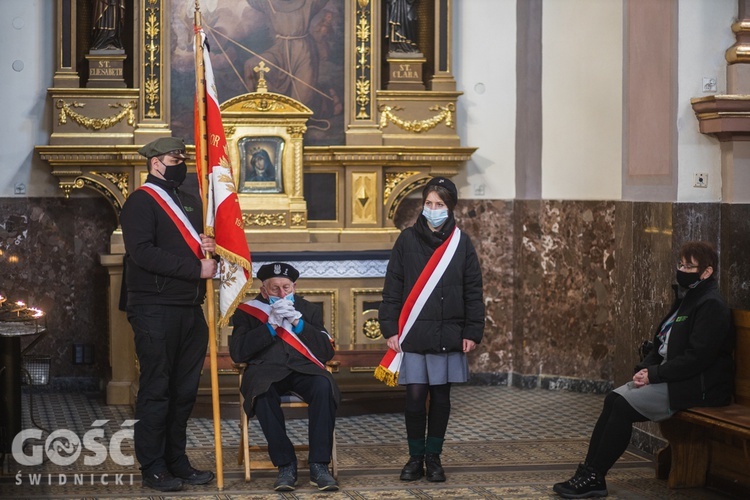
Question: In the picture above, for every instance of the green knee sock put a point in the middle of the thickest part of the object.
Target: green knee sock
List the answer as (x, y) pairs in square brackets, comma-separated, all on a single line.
[(416, 447), (434, 445)]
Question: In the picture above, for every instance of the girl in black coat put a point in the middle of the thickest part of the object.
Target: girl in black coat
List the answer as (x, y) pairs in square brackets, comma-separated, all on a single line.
[(689, 365), (449, 324)]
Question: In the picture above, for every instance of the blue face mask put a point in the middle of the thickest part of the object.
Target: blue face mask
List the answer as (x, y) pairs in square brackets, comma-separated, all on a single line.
[(290, 297), (436, 218)]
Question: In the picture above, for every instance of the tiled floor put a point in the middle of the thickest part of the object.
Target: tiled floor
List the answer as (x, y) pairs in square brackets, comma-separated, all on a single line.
[(501, 443)]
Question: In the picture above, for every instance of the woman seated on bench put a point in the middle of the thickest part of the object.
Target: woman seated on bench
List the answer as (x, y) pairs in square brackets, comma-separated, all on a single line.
[(689, 365)]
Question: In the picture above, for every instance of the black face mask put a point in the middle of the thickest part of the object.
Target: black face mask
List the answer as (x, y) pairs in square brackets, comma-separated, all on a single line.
[(688, 280), (175, 173)]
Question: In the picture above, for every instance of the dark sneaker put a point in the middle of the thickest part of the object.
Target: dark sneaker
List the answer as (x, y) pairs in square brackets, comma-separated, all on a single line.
[(286, 480), (162, 481), (587, 485), (320, 477), (414, 469), (194, 476), (435, 472), (580, 471)]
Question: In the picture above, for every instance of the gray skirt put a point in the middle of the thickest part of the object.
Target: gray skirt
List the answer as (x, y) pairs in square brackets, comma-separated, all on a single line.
[(651, 401), (433, 369)]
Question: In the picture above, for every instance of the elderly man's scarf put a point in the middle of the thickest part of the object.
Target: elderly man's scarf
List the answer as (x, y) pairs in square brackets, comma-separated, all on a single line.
[(387, 371), (260, 311)]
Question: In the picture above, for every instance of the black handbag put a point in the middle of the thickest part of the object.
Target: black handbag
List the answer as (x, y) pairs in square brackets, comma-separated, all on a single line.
[(645, 348)]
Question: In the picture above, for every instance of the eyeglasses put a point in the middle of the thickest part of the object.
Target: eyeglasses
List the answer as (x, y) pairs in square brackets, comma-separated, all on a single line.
[(686, 267)]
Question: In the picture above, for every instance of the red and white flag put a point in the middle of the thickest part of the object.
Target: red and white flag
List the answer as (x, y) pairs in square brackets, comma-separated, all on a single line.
[(223, 213)]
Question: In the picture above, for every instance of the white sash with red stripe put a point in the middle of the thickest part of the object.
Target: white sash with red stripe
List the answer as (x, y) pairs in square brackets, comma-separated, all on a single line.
[(179, 218), (387, 371), (260, 311)]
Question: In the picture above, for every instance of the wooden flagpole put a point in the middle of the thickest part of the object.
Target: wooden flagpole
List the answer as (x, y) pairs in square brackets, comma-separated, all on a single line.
[(200, 84)]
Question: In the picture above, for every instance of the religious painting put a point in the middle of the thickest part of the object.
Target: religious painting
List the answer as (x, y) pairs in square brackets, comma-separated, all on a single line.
[(260, 164), (300, 41)]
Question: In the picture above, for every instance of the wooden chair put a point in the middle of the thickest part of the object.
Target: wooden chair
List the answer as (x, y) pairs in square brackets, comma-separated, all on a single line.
[(260, 453)]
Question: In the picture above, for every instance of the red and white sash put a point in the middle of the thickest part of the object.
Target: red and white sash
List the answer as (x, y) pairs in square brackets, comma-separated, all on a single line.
[(260, 311), (177, 215), (387, 371)]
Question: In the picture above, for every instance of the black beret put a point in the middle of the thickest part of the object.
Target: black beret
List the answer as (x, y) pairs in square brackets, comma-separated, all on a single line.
[(165, 145), (277, 270), (445, 183)]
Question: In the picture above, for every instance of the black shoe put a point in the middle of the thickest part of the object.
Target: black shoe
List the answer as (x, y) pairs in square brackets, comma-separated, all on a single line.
[(287, 478), (320, 477), (580, 471), (194, 476), (414, 468), (589, 484), (435, 472), (162, 481)]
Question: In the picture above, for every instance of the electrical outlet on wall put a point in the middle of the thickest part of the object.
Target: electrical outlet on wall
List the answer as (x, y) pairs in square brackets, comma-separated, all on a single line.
[(701, 181)]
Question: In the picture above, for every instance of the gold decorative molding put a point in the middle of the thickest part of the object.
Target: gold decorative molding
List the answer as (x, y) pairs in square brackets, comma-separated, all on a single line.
[(118, 179), (740, 51), (365, 321), (417, 126), (297, 219), (152, 60), (363, 61), (264, 220), (404, 192), (363, 198), (371, 329), (393, 179), (113, 187), (95, 123)]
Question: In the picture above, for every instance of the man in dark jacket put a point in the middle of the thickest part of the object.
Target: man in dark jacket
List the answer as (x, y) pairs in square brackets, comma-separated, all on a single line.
[(282, 339), (165, 273)]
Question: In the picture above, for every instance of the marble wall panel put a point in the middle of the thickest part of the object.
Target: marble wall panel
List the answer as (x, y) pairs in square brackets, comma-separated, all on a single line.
[(49, 257), (734, 265), (564, 268)]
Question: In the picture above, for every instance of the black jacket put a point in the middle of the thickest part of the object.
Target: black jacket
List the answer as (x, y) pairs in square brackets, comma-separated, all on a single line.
[(455, 309), (270, 359), (699, 370), (160, 267)]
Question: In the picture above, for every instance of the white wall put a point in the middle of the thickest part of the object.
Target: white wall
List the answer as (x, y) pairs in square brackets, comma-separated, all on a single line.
[(705, 34), (484, 64), (582, 47), (26, 70)]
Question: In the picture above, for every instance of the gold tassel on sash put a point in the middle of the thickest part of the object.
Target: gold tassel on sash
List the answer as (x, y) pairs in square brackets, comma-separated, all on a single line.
[(386, 376)]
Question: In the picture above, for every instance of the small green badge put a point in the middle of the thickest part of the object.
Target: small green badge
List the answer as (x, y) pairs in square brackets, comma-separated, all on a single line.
[(680, 319)]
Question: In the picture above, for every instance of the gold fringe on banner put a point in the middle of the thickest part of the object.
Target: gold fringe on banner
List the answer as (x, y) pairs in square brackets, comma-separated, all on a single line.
[(386, 376)]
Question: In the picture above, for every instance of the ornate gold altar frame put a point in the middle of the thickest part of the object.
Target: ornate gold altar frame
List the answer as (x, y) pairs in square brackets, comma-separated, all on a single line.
[(274, 125), (395, 140)]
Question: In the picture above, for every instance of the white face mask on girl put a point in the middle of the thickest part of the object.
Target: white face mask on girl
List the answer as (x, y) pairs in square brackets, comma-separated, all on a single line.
[(437, 217)]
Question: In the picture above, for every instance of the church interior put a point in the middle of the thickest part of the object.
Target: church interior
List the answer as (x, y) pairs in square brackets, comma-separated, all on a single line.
[(588, 139)]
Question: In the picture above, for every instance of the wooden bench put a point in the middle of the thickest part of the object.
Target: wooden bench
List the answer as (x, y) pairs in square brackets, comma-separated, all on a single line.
[(711, 446)]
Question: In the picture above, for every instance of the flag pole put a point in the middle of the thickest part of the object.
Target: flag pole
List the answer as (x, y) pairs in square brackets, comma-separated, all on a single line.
[(202, 160)]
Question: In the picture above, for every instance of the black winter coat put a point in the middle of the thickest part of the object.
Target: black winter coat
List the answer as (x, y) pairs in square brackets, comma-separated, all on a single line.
[(160, 267), (699, 370), (270, 359), (455, 309)]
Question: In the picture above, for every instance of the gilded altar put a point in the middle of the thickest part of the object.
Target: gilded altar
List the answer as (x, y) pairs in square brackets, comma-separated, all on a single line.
[(350, 123)]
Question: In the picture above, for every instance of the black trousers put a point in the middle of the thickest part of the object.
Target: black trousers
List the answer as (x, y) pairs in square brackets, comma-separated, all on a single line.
[(612, 432), (317, 392), (171, 343)]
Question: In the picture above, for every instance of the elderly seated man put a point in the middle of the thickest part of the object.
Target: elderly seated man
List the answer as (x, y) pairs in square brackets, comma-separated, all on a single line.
[(282, 339)]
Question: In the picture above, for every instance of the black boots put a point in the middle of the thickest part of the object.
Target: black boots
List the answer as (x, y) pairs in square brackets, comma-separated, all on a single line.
[(586, 483), (414, 468), (435, 472)]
